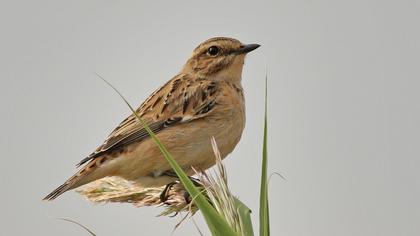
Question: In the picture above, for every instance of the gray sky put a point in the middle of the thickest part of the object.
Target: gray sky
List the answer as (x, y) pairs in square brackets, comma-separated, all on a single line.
[(344, 108)]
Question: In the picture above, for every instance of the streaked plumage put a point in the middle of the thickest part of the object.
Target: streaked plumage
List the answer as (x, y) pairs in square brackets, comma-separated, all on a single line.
[(205, 99)]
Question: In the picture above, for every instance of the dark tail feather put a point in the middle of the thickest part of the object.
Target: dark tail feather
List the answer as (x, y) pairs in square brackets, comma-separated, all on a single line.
[(57, 192), (80, 178), (68, 185)]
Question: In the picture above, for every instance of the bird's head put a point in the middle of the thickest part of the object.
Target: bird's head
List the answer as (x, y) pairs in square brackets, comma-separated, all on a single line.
[(219, 59)]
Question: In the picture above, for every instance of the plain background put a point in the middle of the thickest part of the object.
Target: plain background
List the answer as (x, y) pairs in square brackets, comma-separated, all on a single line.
[(343, 108)]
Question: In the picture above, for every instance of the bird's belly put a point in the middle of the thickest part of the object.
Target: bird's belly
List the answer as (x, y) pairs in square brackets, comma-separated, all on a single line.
[(189, 144)]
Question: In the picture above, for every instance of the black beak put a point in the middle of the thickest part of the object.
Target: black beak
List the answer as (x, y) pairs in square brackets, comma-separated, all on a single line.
[(247, 48)]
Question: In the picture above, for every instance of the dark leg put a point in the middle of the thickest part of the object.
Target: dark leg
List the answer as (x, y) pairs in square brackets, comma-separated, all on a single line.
[(164, 194)]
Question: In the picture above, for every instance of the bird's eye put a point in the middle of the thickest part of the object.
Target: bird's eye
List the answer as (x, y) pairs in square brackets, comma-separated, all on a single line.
[(213, 51)]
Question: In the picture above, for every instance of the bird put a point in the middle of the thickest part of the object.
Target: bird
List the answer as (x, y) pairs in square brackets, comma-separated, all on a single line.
[(204, 100)]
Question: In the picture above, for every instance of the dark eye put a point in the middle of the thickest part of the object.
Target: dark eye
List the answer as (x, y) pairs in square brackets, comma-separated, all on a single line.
[(213, 51)]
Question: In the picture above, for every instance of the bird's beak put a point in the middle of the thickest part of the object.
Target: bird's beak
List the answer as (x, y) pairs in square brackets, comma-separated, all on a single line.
[(247, 48)]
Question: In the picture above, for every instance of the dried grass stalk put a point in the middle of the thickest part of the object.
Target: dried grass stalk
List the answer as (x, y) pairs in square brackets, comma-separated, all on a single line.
[(116, 189)]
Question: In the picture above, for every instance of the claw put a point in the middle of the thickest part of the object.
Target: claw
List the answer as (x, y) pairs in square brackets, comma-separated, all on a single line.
[(187, 197), (164, 195)]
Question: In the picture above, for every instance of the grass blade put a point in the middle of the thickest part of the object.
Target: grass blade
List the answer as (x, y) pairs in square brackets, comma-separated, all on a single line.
[(245, 218), (77, 223), (216, 223), (264, 212)]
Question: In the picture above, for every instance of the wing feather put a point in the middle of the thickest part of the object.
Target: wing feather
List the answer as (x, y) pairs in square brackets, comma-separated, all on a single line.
[(182, 99)]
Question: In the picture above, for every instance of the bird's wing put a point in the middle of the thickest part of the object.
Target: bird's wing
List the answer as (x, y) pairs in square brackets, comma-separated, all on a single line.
[(182, 99)]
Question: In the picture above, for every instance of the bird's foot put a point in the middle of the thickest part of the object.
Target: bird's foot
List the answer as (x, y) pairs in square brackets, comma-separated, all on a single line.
[(165, 192)]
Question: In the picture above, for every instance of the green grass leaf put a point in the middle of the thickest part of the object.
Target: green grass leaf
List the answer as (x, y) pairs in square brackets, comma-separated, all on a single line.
[(264, 211), (245, 218), (216, 223)]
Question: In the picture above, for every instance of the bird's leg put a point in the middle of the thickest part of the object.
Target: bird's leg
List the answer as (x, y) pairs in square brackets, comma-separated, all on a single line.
[(164, 195), (165, 192)]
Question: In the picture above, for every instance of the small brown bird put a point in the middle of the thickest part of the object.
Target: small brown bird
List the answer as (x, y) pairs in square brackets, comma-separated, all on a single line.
[(205, 99)]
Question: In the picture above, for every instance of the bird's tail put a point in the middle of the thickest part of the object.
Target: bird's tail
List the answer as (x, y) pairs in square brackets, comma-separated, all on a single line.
[(83, 176), (71, 183)]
